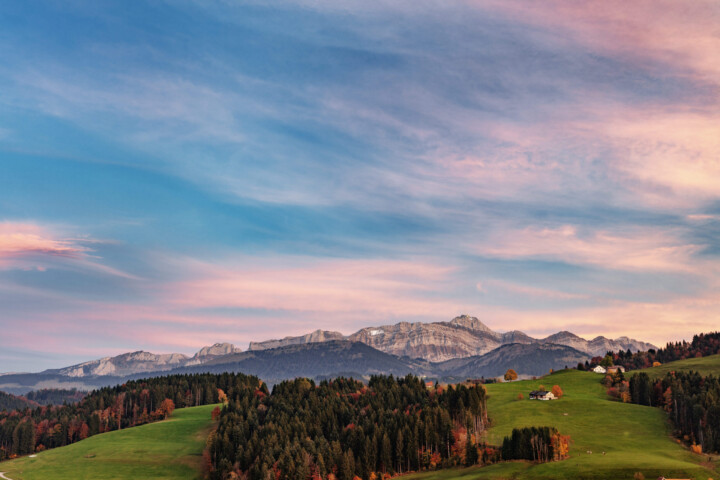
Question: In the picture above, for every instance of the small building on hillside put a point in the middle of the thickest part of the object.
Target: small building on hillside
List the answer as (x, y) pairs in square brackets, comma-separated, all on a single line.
[(615, 369), (542, 395), (599, 369)]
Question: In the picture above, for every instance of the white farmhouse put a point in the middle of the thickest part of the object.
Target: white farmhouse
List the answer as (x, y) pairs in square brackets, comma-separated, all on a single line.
[(599, 369), (542, 395)]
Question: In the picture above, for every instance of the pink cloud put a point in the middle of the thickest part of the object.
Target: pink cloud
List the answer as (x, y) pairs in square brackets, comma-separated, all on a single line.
[(527, 291), (353, 287), (642, 249), (18, 239), (675, 33)]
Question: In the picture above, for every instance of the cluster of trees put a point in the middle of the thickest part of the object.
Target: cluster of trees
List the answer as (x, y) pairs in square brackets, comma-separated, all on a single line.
[(618, 386), (701, 345), (538, 444), (55, 396), (136, 402), (692, 402), (344, 429)]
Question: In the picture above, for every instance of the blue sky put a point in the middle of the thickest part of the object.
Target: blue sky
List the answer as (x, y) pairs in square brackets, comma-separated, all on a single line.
[(174, 174)]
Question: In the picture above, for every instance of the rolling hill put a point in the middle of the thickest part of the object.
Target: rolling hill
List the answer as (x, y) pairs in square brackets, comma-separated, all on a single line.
[(167, 450), (709, 365), (634, 438)]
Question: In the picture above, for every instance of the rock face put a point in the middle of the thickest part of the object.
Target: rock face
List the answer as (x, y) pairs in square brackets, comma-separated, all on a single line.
[(140, 362), (314, 337), (216, 350), (461, 337), (126, 364)]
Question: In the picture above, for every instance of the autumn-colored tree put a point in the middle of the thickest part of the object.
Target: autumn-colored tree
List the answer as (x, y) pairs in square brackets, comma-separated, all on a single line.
[(656, 364), (557, 391), (667, 398), (696, 448), (541, 388), (511, 375), (215, 414), (520, 396), (561, 446), (84, 431), (222, 397), (166, 408)]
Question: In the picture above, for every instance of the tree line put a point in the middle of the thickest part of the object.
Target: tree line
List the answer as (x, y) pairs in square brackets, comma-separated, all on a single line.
[(538, 444), (55, 396), (692, 402), (9, 402), (702, 345), (344, 429), (135, 402)]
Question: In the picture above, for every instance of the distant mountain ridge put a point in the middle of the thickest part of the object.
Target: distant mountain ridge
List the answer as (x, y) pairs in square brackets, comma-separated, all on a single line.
[(328, 359), (462, 347), (141, 361), (463, 336)]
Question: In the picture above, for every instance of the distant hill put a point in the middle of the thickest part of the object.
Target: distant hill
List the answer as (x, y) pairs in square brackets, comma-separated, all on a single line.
[(14, 402)]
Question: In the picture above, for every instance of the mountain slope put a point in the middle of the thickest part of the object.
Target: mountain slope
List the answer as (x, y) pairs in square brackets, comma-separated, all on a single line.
[(313, 360), (527, 359)]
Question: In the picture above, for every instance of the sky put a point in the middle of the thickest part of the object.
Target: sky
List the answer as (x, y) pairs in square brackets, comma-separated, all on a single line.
[(175, 174)]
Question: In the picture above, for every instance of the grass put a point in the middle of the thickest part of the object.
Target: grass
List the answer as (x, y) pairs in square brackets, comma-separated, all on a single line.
[(634, 438), (709, 365), (165, 450)]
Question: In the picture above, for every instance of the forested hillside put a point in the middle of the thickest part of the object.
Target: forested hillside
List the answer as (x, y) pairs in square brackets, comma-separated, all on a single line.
[(346, 429), (13, 402), (692, 402), (55, 396), (133, 403)]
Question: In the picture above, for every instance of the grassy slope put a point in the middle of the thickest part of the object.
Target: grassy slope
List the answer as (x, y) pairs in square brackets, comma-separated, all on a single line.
[(635, 438), (166, 450), (706, 365)]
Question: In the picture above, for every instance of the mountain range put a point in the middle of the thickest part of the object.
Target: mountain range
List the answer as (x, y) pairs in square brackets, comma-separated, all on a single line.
[(463, 336), (461, 348)]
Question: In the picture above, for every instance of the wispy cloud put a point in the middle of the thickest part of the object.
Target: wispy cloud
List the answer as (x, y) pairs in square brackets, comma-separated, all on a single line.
[(26, 239)]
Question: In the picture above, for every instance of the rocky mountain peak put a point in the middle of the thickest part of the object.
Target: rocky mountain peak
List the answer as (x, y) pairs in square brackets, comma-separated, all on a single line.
[(216, 350), (471, 323)]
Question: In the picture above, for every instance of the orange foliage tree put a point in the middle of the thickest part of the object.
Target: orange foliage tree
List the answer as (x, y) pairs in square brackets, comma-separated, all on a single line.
[(222, 397), (166, 408), (511, 375), (557, 391), (561, 446), (520, 396)]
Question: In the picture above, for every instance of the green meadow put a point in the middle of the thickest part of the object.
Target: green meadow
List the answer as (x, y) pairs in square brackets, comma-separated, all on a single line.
[(709, 365), (623, 438), (167, 450)]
